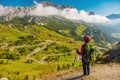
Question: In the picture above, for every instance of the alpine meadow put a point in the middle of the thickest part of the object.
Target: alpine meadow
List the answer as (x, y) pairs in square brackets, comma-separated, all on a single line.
[(39, 42)]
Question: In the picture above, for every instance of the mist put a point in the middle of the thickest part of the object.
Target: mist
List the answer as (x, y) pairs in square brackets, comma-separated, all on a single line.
[(68, 13), (5, 10)]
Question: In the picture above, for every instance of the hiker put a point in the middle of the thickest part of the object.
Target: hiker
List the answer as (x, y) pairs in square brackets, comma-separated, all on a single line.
[(86, 49)]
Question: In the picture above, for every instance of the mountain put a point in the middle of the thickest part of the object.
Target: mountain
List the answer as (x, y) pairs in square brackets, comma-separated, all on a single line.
[(50, 9), (113, 16), (114, 21), (113, 55), (61, 7), (27, 11), (29, 41), (21, 16), (77, 29), (62, 26)]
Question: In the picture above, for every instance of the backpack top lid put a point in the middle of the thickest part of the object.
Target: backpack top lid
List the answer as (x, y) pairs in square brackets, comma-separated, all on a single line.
[(87, 38)]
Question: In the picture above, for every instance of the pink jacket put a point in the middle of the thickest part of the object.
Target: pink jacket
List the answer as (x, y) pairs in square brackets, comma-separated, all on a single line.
[(82, 51)]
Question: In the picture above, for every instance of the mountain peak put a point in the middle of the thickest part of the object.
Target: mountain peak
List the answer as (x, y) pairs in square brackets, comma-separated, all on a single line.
[(91, 13), (113, 16), (61, 7), (46, 4)]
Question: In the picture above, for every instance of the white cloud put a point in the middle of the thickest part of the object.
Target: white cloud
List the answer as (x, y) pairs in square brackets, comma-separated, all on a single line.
[(115, 24), (83, 15), (5, 10), (69, 13), (43, 11)]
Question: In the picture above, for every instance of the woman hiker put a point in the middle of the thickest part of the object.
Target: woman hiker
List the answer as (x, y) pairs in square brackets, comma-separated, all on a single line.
[(86, 50)]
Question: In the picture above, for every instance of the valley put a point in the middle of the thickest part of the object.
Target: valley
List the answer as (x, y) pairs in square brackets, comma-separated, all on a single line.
[(31, 51), (42, 45)]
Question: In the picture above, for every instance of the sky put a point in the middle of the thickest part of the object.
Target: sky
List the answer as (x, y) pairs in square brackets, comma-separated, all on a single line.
[(101, 7)]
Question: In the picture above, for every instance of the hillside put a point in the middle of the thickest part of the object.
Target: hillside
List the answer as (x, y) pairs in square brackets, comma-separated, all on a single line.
[(63, 26), (113, 55), (107, 70), (40, 42), (25, 47), (58, 18)]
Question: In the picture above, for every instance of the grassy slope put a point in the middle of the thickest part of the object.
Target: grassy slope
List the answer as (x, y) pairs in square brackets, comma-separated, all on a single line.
[(41, 33), (51, 32), (76, 30), (9, 34), (19, 68)]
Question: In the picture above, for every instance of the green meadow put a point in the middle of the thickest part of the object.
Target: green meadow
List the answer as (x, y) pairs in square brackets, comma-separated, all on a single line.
[(17, 43)]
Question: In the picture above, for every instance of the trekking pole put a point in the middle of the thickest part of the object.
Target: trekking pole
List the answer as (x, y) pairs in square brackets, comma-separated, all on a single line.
[(75, 58)]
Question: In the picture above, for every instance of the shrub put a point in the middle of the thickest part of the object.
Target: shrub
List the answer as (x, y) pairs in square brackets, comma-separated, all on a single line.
[(1, 61), (58, 67), (68, 66)]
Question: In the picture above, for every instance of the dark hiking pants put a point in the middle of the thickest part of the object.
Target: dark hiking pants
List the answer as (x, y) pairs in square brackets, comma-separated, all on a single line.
[(86, 68)]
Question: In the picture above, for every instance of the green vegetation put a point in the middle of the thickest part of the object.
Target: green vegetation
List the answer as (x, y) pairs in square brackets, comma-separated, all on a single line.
[(17, 43), (29, 51)]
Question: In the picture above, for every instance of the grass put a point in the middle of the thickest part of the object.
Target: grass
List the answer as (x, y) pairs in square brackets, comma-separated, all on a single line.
[(80, 29), (18, 69), (9, 34)]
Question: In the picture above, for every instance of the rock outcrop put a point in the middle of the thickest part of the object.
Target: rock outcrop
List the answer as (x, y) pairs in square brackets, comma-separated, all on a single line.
[(113, 55)]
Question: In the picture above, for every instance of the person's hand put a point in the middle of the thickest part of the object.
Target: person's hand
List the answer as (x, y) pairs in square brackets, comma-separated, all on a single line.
[(77, 51)]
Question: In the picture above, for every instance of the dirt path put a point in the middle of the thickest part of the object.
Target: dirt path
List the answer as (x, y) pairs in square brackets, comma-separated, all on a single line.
[(3, 45), (15, 47), (98, 72), (37, 50), (42, 61)]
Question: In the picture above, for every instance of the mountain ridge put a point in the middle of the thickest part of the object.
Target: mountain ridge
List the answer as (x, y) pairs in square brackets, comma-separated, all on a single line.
[(25, 11), (113, 16)]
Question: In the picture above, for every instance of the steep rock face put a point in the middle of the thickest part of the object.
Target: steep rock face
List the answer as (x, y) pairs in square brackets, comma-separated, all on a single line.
[(61, 7), (113, 55)]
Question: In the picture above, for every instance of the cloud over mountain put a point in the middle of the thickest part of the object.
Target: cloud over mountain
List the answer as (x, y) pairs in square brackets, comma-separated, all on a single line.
[(5, 10), (69, 13), (40, 10)]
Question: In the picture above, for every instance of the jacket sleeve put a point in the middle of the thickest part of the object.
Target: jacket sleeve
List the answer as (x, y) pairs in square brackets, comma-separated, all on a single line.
[(80, 52)]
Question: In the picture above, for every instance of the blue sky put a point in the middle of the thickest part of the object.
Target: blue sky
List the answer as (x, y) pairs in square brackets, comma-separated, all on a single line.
[(103, 7)]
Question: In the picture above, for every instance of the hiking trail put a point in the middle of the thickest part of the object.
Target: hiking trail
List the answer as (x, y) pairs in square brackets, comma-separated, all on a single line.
[(98, 72)]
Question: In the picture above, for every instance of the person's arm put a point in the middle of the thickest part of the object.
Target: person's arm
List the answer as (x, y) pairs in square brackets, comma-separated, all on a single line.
[(82, 51), (78, 52)]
